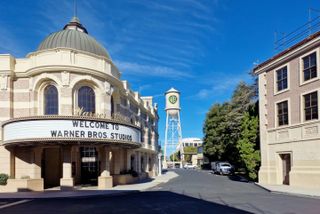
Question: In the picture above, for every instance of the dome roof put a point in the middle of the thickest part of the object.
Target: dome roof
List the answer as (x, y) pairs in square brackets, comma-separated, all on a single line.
[(74, 36)]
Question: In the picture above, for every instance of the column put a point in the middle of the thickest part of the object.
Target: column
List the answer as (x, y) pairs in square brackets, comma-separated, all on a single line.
[(37, 163), (105, 180), (67, 181), (147, 162), (159, 164), (138, 162), (37, 183), (117, 161), (129, 160), (148, 165)]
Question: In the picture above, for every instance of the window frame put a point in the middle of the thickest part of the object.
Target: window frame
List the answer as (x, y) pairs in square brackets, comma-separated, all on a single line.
[(304, 106), (301, 67), (275, 79), (283, 114), (44, 109), (276, 119), (95, 96), (309, 69)]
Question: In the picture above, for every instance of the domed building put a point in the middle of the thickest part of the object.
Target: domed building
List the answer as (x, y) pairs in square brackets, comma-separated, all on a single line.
[(67, 119)]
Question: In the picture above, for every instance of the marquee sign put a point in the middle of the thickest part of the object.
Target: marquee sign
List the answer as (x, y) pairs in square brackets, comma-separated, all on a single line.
[(56, 129)]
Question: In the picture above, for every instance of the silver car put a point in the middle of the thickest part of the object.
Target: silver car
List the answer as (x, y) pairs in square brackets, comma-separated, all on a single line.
[(224, 168)]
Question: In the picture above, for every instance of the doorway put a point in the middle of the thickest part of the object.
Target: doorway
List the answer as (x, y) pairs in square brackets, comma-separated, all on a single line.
[(286, 168), (51, 167), (89, 166)]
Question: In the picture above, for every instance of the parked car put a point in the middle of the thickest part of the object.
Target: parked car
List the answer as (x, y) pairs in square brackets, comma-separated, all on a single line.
[(189, 166), (224, 168)]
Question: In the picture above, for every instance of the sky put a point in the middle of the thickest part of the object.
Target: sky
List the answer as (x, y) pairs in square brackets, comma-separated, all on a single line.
[(203, 48)]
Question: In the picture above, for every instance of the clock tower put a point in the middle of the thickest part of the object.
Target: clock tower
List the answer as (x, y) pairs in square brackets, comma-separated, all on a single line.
[(173, 133)]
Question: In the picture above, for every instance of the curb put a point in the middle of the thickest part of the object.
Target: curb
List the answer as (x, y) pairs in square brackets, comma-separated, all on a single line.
[(287, 193), (98, 193), (258, 185)]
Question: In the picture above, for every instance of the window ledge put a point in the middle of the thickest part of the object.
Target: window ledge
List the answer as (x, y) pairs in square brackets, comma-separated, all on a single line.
[(309, 81), (282, 91)]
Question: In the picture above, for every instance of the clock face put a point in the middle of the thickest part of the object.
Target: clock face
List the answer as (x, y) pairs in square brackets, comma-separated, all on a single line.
[(173, 99)]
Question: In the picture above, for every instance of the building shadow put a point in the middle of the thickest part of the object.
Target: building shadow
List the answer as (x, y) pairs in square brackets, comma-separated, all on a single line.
[(132, 202)]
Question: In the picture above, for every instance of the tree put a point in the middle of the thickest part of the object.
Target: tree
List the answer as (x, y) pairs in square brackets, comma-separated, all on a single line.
[(190, 150), (188, 158), (175, 156), (216, 131), (231, 130), (248, 144)]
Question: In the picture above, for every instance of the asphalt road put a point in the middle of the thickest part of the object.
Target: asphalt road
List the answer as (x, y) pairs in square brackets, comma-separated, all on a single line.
[(193, 192)]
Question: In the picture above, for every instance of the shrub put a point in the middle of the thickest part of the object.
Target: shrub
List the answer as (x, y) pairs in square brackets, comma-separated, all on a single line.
[(3, 179)]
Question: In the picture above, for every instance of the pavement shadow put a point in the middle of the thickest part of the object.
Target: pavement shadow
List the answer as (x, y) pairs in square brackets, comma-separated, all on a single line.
[(142, 202), (238, 178), (164, 171)]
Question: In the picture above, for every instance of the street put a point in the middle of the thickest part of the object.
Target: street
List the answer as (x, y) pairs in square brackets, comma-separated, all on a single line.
[(194, 191)]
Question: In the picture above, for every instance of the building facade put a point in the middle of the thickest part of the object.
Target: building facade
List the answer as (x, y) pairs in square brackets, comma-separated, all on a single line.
[(188, 148), (289, 88), (68, 119)]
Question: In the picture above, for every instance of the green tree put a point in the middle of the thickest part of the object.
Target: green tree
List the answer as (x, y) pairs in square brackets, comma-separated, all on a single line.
[(175, 156), (225, 129), (190, 150), (188, 158), (248, 144), (216, 132)]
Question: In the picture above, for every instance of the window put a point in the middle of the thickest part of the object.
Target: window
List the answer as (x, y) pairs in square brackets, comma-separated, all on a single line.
[(310, 66), (282, 78), (311, 106), (51, 105), (123, 101), (87, 99), (283, 117)]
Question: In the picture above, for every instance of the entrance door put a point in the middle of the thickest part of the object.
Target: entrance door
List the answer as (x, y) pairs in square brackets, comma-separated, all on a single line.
[(286, 167), (51, 167), (89, 165)]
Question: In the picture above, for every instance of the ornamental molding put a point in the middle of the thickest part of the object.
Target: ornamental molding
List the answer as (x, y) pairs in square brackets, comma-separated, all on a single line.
[(4, 82), (65, 77)]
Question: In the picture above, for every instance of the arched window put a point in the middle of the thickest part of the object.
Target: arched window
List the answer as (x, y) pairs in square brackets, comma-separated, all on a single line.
[(51, 105), (87, 99)]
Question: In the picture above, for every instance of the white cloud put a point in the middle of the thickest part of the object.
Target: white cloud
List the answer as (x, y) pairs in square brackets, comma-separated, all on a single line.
[(219, 86), (132, 68)]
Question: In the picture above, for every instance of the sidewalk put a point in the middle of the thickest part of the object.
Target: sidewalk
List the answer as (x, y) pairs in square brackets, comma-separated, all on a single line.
[(92, 191), (285, 189)]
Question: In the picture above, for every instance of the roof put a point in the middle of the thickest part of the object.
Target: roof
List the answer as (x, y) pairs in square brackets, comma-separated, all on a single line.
[(191, 140), (172, 90), (306, 40), (74, 36)]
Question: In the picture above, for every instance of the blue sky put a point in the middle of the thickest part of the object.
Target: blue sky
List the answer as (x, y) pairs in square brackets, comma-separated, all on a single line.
[(201, 47)]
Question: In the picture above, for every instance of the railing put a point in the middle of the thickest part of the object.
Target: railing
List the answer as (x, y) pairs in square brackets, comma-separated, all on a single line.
[(311, 27)]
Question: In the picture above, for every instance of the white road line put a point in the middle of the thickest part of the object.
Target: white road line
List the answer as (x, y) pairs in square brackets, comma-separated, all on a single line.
[(14, 203)]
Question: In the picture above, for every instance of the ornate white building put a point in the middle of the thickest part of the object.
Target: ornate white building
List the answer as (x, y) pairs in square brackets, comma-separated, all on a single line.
[(68, 119)]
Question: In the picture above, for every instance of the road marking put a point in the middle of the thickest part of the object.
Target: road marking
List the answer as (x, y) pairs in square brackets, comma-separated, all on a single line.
[(14, 203)]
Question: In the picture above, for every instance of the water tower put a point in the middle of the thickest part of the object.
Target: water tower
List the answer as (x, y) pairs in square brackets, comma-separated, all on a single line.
[(173, 133)]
